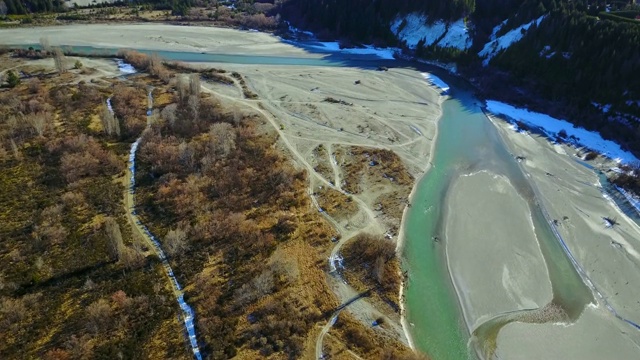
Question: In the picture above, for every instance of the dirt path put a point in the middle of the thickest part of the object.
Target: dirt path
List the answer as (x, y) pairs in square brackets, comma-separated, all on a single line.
[(334, 166), (362, 309)]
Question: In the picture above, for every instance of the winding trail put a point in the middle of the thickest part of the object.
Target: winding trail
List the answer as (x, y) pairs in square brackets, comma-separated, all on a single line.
[(144, 233)]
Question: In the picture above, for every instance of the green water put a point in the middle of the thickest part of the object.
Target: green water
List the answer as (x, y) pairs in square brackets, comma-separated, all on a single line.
[(438, 328), (366, 61), (468, 142)]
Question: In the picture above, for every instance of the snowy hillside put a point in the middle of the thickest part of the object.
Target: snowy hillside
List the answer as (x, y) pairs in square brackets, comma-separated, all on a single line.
[(498, 44), (414, 27), (457, 36)]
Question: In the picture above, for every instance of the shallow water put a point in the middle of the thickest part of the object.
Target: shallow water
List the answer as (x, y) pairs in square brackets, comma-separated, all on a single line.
[(468, 142)]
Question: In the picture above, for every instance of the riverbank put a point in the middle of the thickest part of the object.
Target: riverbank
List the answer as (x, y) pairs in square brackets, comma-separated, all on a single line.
[(156, 37), (609, 257)]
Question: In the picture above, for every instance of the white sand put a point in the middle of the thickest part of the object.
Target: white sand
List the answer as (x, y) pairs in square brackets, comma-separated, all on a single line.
[(594, 336), (571, 196), (493, 254), (156, 37)]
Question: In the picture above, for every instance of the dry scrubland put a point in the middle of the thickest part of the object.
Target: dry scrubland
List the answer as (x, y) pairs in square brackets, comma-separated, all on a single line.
[(74, 281), (216, 184)]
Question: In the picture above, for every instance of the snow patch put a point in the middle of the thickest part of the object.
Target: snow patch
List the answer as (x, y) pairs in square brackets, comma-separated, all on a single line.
[(416, 29), (503, 42), (494, 33), (604, 108), (124, 67), (551, 126), (632, 199), (295, 31), (334, 46), (436, 81), (110, 107), (457, 36)]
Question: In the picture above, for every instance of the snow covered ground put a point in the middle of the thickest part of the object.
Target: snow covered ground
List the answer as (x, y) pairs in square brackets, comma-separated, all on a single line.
[(416, 28), (498, 44), (632, 199), (124, 67), (436, 81), (551, 126), (457, 36), (334, 46)]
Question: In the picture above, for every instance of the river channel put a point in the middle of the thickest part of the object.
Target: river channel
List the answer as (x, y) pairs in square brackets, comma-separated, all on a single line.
[(468, 142)]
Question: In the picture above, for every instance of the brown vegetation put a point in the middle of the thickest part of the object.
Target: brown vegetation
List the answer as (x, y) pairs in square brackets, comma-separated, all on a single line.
[(321, 164), (248, 94), (366, 342), (149, 63), (371, 166), (239, 206), (336, 204), (371, 262), (73, 283)]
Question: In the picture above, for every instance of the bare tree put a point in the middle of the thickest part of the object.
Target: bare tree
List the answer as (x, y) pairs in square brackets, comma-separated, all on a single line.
[(194, 106), (80, 347), (379, 269), (11, 311), (132, 258), (99, 316), (109, 122), (40, 121), (44, 43), (169, 114), (16, 151), (60, 60), (156, 68), (260, 286), (223, 139), (183, 89), (3, 8), (284, 267), (187, 155), (116, 245), (194, 85), (175, 242)]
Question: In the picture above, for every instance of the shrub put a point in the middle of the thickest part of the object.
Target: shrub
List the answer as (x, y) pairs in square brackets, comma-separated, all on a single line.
[(12, 79), (591, 155)]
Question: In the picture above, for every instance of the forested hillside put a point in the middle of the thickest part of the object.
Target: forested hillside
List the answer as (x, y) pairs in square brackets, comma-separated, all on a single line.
[(29, 6), (579, 58), (365, 20)]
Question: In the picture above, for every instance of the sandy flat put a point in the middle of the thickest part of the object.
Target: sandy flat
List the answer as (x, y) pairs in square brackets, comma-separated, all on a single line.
[(492, 250), (609, 256), (594, 336), (156, 37)]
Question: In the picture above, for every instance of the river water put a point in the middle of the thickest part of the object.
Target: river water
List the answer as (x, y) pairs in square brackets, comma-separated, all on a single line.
[(468, 142)]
